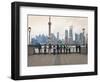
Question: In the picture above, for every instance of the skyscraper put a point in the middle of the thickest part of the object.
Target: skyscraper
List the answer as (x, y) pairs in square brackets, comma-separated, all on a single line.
[(58, 36), (82, 38), (53, 39), (71, 35), (66, 36), (77, 37)]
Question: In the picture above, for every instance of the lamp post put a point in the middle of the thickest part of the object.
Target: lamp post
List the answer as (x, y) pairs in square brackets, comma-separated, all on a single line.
[(83, 35), (29, 29)]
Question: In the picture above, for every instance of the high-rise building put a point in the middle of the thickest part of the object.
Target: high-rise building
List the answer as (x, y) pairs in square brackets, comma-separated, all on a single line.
[(66, 36), (41, 39), (58, 36), (77, 38), (82, 37), (53, 39), (71, 35)]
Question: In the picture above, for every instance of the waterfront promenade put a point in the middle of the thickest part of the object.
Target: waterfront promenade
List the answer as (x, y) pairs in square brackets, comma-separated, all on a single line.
[(61, 59)]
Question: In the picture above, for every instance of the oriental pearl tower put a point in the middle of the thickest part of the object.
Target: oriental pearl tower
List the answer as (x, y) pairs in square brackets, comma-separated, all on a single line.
[(49, 38)]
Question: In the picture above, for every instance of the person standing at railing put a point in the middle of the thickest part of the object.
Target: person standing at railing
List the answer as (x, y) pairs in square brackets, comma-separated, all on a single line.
[(33, 50), (39, 48), (54, 49), (69, 49), (66, 47), (45, 48), (60, 49), (49, 49), (86, 48), (79, 49), (57, 49)]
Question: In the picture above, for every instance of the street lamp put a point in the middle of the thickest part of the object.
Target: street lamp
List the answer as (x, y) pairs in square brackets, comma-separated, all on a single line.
[(83, 36), (29, 29)]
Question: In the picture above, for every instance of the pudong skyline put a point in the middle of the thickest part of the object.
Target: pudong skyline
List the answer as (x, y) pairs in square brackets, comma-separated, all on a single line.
[(43, 39), (39, 25)]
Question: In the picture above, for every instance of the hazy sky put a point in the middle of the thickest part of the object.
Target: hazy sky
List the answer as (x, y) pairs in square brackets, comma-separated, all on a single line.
[(39, 24)]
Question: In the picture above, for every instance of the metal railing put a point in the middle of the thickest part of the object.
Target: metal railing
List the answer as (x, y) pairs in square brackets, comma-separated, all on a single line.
[(61, 50)]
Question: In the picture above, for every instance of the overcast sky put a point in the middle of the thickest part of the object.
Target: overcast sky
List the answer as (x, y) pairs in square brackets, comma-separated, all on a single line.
[(39, 24)]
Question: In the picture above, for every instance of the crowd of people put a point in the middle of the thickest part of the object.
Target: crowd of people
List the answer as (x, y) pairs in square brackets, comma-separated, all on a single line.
[(55, 49)]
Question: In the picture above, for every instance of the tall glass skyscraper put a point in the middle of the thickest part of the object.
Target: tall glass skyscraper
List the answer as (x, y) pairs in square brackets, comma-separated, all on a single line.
[(66, 36), (71, 35), (58, 36)]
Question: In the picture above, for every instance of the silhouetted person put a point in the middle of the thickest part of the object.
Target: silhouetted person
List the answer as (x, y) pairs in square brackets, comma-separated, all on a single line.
[(54, 49), (50, 46), (45, 48), (86, 48), (64, 47), (39, 48), (33, 50), (79, 49), (57, 49), (69, 50)]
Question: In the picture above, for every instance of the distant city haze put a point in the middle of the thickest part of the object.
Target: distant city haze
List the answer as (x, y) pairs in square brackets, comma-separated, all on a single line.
[(39, 25)]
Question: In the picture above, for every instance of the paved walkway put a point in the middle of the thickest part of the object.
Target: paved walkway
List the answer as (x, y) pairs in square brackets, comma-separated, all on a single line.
[(61, 59)]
